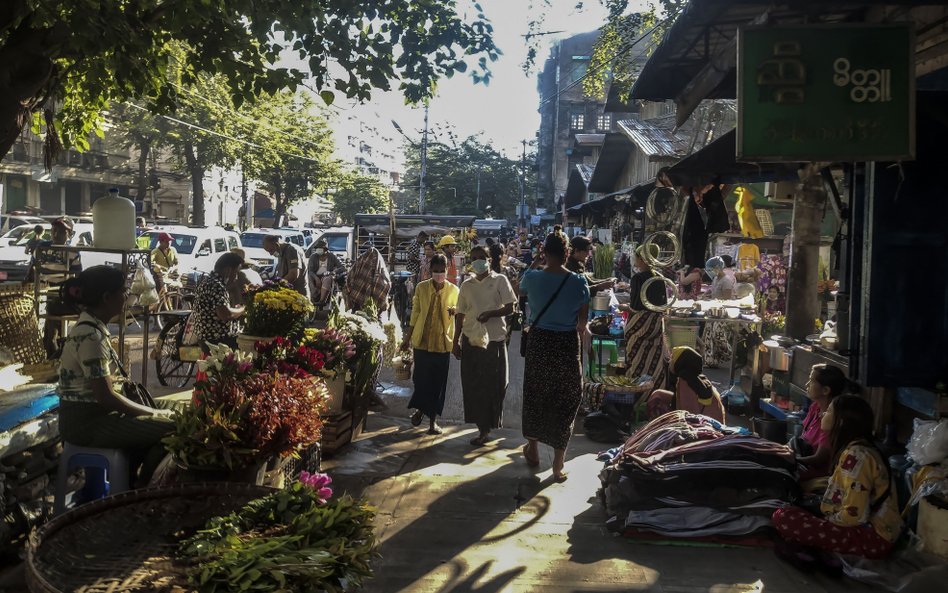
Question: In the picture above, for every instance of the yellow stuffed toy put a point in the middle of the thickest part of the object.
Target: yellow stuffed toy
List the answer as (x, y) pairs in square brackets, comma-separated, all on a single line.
[(750, 226)]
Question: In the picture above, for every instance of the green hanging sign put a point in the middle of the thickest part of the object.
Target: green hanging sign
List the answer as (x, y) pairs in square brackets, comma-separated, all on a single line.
[(838, 92)]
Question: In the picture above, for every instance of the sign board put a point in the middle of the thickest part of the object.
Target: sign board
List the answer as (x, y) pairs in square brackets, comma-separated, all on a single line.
[(841, 92), (535, 219)]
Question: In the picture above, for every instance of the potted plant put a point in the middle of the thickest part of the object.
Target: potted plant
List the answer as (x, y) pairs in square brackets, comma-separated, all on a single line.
[(273, 309), (240, 417)]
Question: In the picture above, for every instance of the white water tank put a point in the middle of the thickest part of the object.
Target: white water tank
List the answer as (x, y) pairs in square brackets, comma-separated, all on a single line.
[(113, 222)]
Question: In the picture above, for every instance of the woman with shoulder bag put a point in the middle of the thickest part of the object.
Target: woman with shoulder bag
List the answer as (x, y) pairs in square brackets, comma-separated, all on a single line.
[(553, 377), (93, 412)]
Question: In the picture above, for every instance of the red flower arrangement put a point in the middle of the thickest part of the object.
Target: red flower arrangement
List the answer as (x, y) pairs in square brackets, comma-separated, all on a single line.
[(285, 357)]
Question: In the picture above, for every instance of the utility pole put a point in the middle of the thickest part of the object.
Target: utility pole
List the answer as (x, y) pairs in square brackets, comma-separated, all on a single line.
[(477, 200), (523, 195), (424, 165), (248, 206)]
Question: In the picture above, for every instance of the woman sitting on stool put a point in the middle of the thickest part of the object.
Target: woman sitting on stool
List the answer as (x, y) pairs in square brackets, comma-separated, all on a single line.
[(693, 391), (92, 412)]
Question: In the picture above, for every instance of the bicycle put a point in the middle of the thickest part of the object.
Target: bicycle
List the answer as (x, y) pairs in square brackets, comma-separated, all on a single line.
[(175, 361)]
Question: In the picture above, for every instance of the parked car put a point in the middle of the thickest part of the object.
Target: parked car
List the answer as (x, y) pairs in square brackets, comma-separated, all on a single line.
[(9, 221), (339, 241), (16, 234), (14, 261), (252, 240), (198, 247)]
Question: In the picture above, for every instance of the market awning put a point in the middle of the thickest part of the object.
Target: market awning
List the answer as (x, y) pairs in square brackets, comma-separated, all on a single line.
[(655, 139), (576, 191), (615, 152), (697, 56), (716, 163), (632, 196)]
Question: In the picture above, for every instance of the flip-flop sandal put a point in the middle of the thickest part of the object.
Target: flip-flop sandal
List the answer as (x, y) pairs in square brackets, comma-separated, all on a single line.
[(479, 441), (416, 418), (435, 430), (560, 477), (531, 461)]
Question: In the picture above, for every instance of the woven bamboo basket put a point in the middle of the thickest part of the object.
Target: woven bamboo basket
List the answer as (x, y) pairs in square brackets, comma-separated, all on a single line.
[(20, 335), (128, 542), (403, 372)]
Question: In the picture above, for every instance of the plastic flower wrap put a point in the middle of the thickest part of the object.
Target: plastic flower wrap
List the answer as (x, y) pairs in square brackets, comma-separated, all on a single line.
[(393, 335), (275, 309), (336, 348)]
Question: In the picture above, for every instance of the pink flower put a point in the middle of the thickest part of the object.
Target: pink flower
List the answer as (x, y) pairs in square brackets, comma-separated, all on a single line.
[(318, 482)]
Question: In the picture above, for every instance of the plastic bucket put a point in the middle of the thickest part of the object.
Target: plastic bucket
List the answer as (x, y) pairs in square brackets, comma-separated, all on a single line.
[(772, 430)]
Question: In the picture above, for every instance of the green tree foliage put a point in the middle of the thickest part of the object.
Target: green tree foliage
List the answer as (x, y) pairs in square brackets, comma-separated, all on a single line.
[(75, 57), (142, 131), (452, 176), (625, 40), (293, 153), (359, 194)]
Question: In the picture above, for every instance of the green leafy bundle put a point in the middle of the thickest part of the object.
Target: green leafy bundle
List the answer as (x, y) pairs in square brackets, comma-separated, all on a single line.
[(288, 542), (604, 261)]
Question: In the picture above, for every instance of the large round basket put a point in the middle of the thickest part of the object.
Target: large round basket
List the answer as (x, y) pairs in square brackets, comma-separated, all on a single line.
[(128, 542)]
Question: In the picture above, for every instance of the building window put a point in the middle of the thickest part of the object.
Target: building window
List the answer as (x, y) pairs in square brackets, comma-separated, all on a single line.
[(577, 120), (605, 122)]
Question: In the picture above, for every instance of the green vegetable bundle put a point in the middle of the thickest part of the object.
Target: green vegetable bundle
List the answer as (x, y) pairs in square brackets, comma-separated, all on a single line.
[(289, 542), (604, 261)]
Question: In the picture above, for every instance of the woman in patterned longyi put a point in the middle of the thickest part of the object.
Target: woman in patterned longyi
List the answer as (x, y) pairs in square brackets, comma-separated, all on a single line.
[(552, 377)]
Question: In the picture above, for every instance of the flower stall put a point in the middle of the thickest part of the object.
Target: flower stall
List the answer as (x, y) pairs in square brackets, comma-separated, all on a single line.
[(274, 309)]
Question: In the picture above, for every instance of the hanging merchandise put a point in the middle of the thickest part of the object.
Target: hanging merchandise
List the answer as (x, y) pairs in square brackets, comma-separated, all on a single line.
[(750, 225), (713, 202), (671, 294), (668, 255), (662, 206)]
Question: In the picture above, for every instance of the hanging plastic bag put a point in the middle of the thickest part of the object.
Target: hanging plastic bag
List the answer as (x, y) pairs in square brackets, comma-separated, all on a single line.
[(929, 443), (478, 336), (143, 286)]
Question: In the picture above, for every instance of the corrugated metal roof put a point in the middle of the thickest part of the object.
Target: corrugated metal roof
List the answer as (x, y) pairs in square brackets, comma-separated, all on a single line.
[(586, 172), (590, 139), (655, 138)]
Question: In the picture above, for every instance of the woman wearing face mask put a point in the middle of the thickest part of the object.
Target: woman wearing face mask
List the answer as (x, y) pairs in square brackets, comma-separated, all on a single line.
[(322, 269), (480, 343), (430, 334), (645, 329), (858, 513)]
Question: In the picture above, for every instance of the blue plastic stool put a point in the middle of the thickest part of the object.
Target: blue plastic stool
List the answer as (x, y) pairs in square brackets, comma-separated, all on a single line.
[(106, 473)]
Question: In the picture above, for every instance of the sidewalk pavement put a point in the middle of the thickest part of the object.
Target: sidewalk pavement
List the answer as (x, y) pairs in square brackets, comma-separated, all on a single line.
[(454, 518)]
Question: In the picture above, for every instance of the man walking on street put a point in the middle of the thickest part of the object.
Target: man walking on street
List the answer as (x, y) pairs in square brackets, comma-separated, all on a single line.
[(291, 265), (449, 246), (414, 253)]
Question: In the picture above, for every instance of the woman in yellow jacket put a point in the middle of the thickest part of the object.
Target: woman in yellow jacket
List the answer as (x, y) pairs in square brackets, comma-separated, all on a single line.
[(431, 336)]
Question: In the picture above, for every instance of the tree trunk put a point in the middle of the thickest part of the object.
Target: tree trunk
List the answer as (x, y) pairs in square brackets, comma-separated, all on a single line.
[(279, 203), (25, 69), (803, 304), (144, 149), (197, 184)]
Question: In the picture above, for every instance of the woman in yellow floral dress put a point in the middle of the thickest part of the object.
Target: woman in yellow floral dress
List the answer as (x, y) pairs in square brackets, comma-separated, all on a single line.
[(859, 513)]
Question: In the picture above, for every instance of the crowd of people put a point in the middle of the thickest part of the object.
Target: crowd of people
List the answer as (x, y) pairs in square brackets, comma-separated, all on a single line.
[(465, 306)]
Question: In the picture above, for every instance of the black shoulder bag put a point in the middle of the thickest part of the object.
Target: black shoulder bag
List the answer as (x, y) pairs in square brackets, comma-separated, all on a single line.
[(525, 334), (132, 391)]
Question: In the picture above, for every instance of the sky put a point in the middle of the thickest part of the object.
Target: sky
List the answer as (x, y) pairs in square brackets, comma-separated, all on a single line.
[(506, 110)]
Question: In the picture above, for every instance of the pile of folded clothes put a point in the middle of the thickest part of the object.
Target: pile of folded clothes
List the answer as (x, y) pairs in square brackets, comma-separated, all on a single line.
[(687, 475)]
